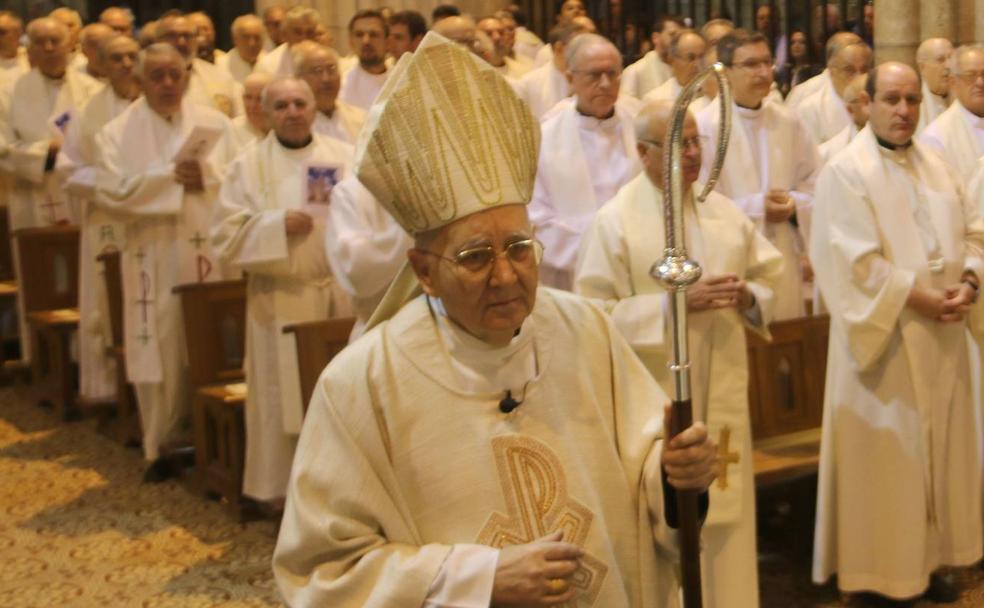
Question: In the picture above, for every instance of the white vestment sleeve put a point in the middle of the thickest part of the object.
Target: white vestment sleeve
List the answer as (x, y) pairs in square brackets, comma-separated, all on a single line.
[(752, 204), (152, 192), (763, 270), (465, 579)]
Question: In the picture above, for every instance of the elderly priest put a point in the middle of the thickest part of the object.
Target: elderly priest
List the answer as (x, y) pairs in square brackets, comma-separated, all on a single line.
[(489, 442)]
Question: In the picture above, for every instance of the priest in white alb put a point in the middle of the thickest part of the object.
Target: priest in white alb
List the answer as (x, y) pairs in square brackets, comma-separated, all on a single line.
[(543, 87), (100, 231), (933, 60), (739, 267), (164, 183), (958, 133), (802, 91), (207, 84), (897, 250), (270, 223), (13, 57), (488, 442), (824, 113), (653, 68), (300, 23), (247, 40), (252, 125), (367, 38), (858, 104), (685, 54), (318, 66), (588, 153), (769, 169)]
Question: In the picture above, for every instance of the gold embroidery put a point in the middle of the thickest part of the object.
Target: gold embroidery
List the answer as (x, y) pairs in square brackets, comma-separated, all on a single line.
[(223, 104), (535, 489), (725, 457)]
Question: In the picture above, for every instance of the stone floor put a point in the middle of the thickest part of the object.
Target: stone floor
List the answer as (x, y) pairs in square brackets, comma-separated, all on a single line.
[(79, 529)]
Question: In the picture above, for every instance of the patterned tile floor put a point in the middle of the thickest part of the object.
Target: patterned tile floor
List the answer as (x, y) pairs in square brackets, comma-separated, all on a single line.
[(78, 529)]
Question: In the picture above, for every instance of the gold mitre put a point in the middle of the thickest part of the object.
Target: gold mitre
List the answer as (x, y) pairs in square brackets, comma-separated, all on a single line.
[(446, 137)]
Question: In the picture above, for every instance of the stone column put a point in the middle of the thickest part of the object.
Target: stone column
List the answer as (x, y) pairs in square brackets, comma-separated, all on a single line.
[(896, 30), (938, 20)]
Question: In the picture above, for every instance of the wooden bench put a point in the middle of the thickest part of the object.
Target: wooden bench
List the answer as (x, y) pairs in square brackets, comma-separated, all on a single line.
[(49, 284), (8, 295), (317, 344), (126, 427), (215, 333), (785, 396)]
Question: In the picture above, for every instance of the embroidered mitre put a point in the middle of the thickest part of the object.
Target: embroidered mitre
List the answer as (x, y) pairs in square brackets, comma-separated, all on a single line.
[(447, 137)]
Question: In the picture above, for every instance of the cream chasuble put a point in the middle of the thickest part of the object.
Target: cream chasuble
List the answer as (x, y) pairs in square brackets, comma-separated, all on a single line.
[(244, 133), (215, 88), (769, 150), (824, 113), (424, 465), (670, 90), (234, 65), (166, 245), (344, 123), (583, 163), (41, 109), (930, 109), (13, 68), (644, 75), (360, 88), (898, 457), (366, 247), (513, 70), (101, 231), (801, 91), (527, 44), (835, 144), (959, 136), (542, 89), (289, 281), (277, 62), (623, 242)]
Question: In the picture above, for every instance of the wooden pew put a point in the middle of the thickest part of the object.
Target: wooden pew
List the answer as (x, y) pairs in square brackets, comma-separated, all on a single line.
[(215, 333), (48, 287), (785, 395), (8, 292), (317, 343), (126, 428)]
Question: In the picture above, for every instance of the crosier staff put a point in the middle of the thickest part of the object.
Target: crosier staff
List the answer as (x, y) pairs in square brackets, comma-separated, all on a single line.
[(677, 272)]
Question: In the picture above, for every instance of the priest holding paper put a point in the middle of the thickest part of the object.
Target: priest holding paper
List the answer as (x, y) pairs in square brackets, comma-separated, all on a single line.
[(735, 292), (488, 442), (769, 169), (588, 153), (897, 249), (161, 163), (270, 223)]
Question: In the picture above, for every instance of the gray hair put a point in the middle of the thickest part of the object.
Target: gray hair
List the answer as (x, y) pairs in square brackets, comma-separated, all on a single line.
[(927, 46), (677, 38), (267, 102), (242, 20), (41, 22), (964, 49), (303, 51), (301, 13), (156, 49), (582, 42)]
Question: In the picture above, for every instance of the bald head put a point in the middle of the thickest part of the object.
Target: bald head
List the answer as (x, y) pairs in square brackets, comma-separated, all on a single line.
[(933, 60), (300, 23), (164, 77), (273, 21), (848, 62), (48, 46), (317, 65), (894, 89), (72, 21), (120, 19), (247, 37), (118, 56), (968, 85), (838, 41), (584, 45), (651, 126), (459, 28), (253, 88), (289, 106), (856, 100), (92, 38)]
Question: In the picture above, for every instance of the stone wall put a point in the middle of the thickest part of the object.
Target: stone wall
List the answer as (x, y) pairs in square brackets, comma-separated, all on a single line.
[(900, 25)]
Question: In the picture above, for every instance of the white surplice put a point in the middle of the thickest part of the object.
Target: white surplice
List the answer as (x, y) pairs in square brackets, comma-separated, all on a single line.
[(670, 90), (542, 89), (210, 86), (402, 462), (278, 62), (769, 149), (931, 107), (244, 133), (289, 281), (166, 245), (620, 247), (824, 113), (344, 123), (644, 75), (583, 162), (234, 65), (13, 68), (958, 134), (366, 247), (835, 144), (101, 232), (808, 87), (899, 491), (527, 44), (360, 88)]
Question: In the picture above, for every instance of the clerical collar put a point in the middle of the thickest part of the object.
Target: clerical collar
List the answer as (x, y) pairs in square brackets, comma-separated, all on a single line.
[(890, 146), (54, 79), (602, 119), (290, 146)]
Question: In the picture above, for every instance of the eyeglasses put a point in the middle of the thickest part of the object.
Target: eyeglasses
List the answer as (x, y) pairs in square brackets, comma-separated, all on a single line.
[(479, 261), (693, 142), (755, 64), (970, 77), (321, 70), (594, 76)]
